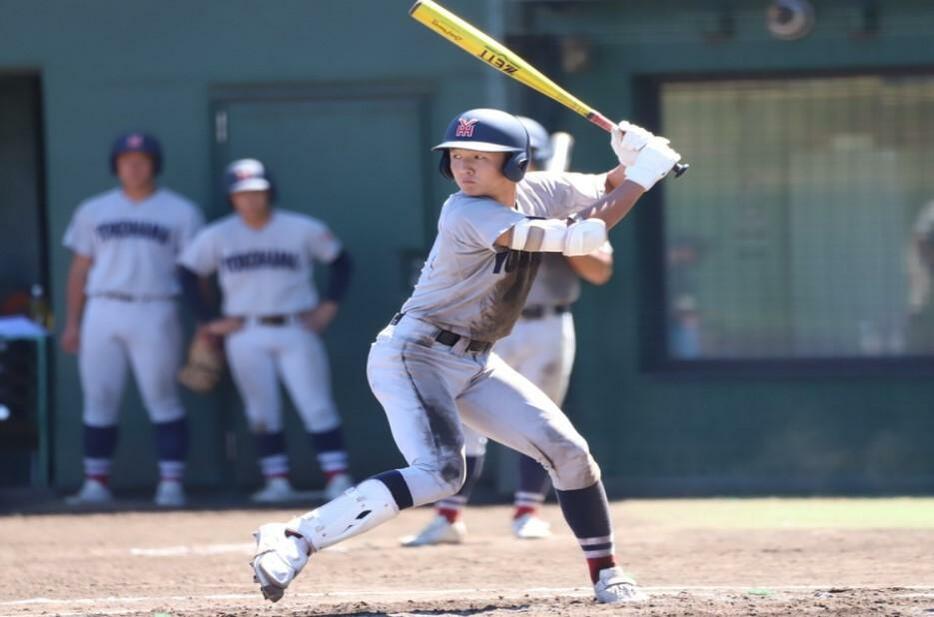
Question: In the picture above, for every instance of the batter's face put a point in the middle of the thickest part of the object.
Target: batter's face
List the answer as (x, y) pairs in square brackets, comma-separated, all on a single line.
[(252, 206), (135, 171), (478, 173)]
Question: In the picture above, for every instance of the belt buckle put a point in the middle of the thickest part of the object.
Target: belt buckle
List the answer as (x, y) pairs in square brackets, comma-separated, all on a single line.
[(273, 320)]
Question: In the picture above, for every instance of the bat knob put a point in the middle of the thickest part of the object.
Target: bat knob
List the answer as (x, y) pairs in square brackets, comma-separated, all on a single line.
[(680, 168)]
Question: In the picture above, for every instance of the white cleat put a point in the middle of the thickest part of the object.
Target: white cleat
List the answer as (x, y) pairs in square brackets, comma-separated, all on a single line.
[(337, 485), (92, 493), (530, 527), (278, 560), (438, 531), (615, 587), (170, 494), (277, 490)]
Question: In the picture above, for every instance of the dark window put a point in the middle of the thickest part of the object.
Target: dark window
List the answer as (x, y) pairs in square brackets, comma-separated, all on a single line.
[(805, 228)]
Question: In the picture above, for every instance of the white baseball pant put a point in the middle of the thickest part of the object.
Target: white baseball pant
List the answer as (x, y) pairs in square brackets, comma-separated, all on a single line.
[(430, 391), (258, 353), (148, 334), (542, 350)]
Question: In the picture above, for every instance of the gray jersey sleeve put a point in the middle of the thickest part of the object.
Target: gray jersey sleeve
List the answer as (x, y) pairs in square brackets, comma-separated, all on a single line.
[(477, 223), (323, 245), (558, 195), (190, 228), (79, 237), (202, 254)]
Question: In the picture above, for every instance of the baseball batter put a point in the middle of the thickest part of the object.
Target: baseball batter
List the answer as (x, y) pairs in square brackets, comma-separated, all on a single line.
[(432, 368), (121, 310), (541, 347), (272, 321)]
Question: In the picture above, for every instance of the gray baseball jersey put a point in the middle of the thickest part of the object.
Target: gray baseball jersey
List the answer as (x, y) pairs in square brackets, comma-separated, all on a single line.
[(133, 244), (266, 271), (455, 291)]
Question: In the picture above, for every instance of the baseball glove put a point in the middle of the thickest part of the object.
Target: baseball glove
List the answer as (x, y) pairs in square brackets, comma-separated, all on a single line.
[(205, 364)]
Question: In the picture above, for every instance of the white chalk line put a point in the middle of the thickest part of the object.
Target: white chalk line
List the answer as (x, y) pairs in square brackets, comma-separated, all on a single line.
[(917, 591), (246, 548), (196, 550)]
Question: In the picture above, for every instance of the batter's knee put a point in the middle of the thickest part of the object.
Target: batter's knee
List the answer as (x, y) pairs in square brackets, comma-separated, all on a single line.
[(448, 473), (575, 468)]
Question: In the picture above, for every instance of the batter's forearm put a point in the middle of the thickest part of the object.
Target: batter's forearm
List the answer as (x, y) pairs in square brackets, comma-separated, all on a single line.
[(615, 205)]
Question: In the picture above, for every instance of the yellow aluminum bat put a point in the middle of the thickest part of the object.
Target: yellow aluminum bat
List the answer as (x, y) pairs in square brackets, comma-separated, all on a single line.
[(495, 54)]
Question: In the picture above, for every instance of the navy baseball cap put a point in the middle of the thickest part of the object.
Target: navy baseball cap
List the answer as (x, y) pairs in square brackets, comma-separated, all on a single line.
[(137, 142)]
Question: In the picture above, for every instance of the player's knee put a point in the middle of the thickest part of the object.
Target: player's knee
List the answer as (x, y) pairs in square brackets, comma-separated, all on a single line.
[(576, 468), (448, 472)]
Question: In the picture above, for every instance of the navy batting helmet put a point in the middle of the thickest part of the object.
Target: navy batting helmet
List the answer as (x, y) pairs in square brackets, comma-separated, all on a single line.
[(487, 130), (137, 142), (539, 141), (248, 175)]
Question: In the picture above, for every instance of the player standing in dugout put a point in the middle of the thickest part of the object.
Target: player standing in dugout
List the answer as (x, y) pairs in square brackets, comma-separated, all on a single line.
[(272, 322), (431, 367), (121, 311)]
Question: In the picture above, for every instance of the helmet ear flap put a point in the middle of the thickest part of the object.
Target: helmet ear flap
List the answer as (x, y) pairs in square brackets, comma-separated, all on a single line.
[(515, 166), (445, 165)]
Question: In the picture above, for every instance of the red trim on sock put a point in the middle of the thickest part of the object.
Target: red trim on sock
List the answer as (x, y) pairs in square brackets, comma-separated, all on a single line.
[(105, 480), (451, 515), (523, 510), (328, 475), (599, 563)]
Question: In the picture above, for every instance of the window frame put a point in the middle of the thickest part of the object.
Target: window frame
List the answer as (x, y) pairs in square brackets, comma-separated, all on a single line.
[(654, 355)]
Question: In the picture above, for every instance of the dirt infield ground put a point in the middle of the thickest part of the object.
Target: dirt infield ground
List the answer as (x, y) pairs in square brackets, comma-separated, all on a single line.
[(695, 557)]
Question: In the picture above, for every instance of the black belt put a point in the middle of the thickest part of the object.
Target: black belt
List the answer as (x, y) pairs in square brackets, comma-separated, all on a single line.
[(539, 311), (449, 339), (268, 320), (122, 297)]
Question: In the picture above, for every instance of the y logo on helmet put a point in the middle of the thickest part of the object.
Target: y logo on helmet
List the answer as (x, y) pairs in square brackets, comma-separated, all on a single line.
[(465, 127)]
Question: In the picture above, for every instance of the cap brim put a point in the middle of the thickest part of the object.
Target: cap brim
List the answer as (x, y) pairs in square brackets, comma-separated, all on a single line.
[(252, 184), (479, 146)]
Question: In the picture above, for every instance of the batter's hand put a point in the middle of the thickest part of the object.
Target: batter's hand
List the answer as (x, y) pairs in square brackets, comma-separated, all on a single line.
[(70, 339), (223, 326), (627, 140), (318, 319)]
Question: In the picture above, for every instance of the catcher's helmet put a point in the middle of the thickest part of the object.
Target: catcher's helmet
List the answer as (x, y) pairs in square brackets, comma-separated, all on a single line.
[(487, 130), (248, 175), (539, 141), (137, 142)]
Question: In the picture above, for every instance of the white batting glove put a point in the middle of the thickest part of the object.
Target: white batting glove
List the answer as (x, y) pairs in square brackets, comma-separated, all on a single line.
[(627, 140), (655, 160)]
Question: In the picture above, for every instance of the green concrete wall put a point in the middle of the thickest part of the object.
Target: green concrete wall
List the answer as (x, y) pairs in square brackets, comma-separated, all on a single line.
[(168, 66)]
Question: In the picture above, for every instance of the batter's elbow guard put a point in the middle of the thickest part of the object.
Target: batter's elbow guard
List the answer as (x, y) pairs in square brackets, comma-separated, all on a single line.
[(340, 275)]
